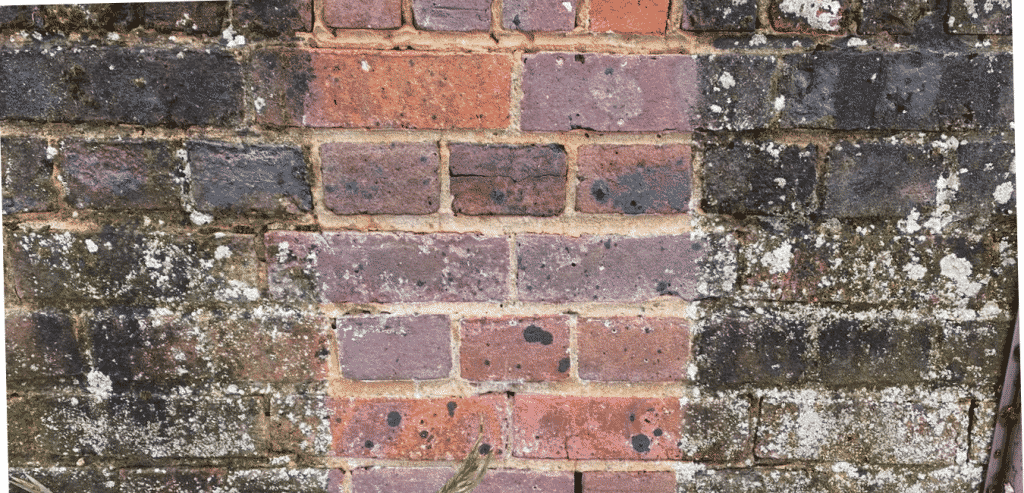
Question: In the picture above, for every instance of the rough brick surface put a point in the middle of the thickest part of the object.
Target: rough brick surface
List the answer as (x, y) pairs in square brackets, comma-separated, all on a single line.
[(790, 16), (84, 479), (968, 17), (531, 349), (429, 480), (502, 179), (421, 429), (394, 348), (387, 267), (16, 17), (616, 482), (606, 268), (383, 89), (563, 91), (41, 345), (634, 179), (27, 175), (633, 349), (836, 477), (380, 179), (893, 17), (146, 86), (452, 15), (758, 177), (632, 17), (736, 91), (751, 348), (554, 427), (266, 179), (881, 179), (198, 17), (713, 15), (717, 427), (352, 14), (539, 15), (121, 175), (986, 178), (271, 17)]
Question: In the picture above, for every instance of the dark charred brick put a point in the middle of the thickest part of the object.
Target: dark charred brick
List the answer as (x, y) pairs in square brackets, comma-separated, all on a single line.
[(860, 352), (530, 349), (394, 348), (836, 89), (809, 17), (171, 480), (988, 185), (266, 179), (971, 17), (504, 179), (353, 14), (452, 15), (190, 17), (717, 427), (634, 179), (742, 177), (736, 91), (715, 15), (633, 349), (765, 349), (27, 175), (150, 86), (270, 17), (14, 17), (90, 17), (893, 16), (539, 15), (282, 79), (121, 175), (41, 345), (881, 179), (754, 480), (285, 480)]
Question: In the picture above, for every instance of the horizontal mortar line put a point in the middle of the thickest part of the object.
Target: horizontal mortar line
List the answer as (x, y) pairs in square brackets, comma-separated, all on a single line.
[(340, 388), (516, 463), (665, 306)]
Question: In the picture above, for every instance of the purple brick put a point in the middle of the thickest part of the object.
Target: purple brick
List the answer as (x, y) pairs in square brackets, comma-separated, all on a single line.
[(564, 91), (387, 267), (356, 14), (539, 15), (618, 482), (429, 480), (394, 348), (391, 178), (41, 345), (199, 17), (716, 15), (27, 175), (505, 179), (121, 175), (634, 179), (273, 16), (892, 16), (608, 268), (973, 17), (452, 15), (808, 17), (854, 187), (266, 179)]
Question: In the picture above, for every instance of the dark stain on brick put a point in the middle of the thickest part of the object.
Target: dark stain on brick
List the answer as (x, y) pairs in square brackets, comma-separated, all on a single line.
[(641, 443), (394, 419), (451, 408), (534, 333), (368, 444), (52, 332), (658, 432), (563, 365), (599, 189), (485, 449)]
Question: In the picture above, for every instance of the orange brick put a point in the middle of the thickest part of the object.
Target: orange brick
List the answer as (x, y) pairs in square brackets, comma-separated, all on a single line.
[(634, 349), (629, 16), (512, 348), (417, 429)]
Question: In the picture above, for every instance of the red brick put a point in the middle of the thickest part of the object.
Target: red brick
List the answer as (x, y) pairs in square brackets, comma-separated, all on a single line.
[(41, 345), (629, 482), (504, 179), (121, 175), (539, 15), (629, 16), (532, 349), (394, 348), (452, 15), (564, 91), (325, 88), (430, 480), (808, 17), (633, 349), (396, 178), (355, 14), (634, 179), (27, 182), (423, 429), (554, 427), (386, 267)]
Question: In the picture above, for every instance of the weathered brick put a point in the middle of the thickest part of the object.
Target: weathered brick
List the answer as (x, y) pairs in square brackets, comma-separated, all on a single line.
[(618, 482), (121, 175), (123, 264), (632, 17), (808, 16), (853, 351), (14, 17), (970, 17), (564, 91), (633, 349), (556, 427), (298, 424), (766, 348), (395, 178), (321, 88), (715, 15), (270, 17), (170, 480), (634, 179), (429, 480), (845, 477), (504, 179), (747, 177), (736, 92), (78, 479), (893, 17), (353, 14), (754, 480), (870, 428), (607, 268), (264, 179), (881, 179), (41, 344), (984, 418), (452, 15), (988, 184), (532, 349), (717, 427), (394, 348), (90, 17), (539, 15), (387, 267), (27, 175), (423, 429), (146, 86), (182, 480), (199, 17)]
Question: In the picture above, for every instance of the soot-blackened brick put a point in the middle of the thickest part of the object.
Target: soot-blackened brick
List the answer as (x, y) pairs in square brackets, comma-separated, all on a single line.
[(16, 17), (607, 268), (629, 16), (395, 178), (808, 17), (41, 345), (736, 92), (539, 15), (394, 348), (267, 179), (835, 89), (633, 349), (79, 479), (880, 179), (564, 91), (353, 14), (452, 15), (121, 175), (742, 177), (971, 17), (532, 349), (861, 352), (505, 179), (198, 17), (116, 84), (715, 15), (717, 427), (272, 17), (634, 179), (989, 184), (762, 349), (893, 16), (27, 175), (171, 479)]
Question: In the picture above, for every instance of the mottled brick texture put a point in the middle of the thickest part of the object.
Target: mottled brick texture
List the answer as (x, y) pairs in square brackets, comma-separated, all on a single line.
[(380, 179), (507, 180)]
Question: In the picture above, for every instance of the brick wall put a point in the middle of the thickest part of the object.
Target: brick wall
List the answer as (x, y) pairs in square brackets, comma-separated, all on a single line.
[(671, 246)]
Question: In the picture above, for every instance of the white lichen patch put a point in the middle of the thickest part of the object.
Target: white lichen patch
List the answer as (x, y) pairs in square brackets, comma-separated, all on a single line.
[(819, 14), (100, 384), (1003, 193), (852, 42), (726, 80), (959, 271), (758, 40), (779, 260), (233, 39)]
